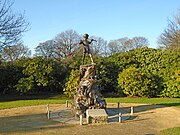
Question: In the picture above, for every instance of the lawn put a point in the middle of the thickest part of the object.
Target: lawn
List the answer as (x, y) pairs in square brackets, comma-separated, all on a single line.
[(157, 101), (61, 100), (21, 103), (32, 101), (170, 131)]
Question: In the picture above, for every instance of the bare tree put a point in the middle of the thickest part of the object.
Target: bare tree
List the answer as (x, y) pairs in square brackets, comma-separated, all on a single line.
[(139, 42), (170, 38), (15, 52), (99, 47), (125, 44), (113, 47), (66, 43), (11, 25), (120, 45), (46, 49), (62, 48)]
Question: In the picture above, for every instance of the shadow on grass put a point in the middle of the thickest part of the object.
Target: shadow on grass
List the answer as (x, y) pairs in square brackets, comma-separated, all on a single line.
[(170, 104)]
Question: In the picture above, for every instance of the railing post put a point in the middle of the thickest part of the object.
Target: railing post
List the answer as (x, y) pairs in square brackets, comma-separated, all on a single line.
[(81, 119), (48, 112), (120, 117), (118, 104), (132, 110), (66, 103)]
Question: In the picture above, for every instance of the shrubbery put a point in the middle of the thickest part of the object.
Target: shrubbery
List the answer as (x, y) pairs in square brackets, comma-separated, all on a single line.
[(136, 82), (172, 86), (157, 70), (41, 74), (71, 83), (10, 73), (107, 73), (140, 72)]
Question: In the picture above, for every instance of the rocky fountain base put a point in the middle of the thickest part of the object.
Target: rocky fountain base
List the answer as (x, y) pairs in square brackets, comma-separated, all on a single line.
[(87, 95)]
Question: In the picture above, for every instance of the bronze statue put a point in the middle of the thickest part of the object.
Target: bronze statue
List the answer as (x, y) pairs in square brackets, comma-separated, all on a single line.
[(87, 95), (85, 42)]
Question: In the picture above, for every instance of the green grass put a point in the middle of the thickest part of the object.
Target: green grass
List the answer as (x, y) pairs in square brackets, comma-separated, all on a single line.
[(157, 101), (21, 103), (170, 131), (62, 100)]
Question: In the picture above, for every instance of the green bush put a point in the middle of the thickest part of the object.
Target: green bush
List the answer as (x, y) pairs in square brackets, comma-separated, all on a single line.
[(107, 73), (72, 83), (172, 86), (10, 74), (136, 82), (41, 74), (139, 72)]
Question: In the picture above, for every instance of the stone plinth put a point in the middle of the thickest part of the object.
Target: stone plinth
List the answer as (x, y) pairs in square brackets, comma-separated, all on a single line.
[(96, 116)]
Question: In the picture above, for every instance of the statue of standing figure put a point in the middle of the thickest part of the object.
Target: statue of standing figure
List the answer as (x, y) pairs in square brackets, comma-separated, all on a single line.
[(87, 95), (85, 42)]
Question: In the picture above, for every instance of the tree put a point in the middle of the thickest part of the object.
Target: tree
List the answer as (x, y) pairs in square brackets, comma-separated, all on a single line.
[(99, 47), (41, 74), (139, 42), (107, 73), (113, 47), (64, 47), (12, 53), (67, 43), (170, 38), (125, 44), (11, 25), (10, 74), (46, 49)]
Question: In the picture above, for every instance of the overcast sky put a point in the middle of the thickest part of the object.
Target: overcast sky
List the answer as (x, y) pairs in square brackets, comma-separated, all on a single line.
[(109, 19)]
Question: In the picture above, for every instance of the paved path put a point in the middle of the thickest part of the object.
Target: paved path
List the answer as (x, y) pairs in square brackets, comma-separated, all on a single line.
[(65, 115), (147, 119)]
